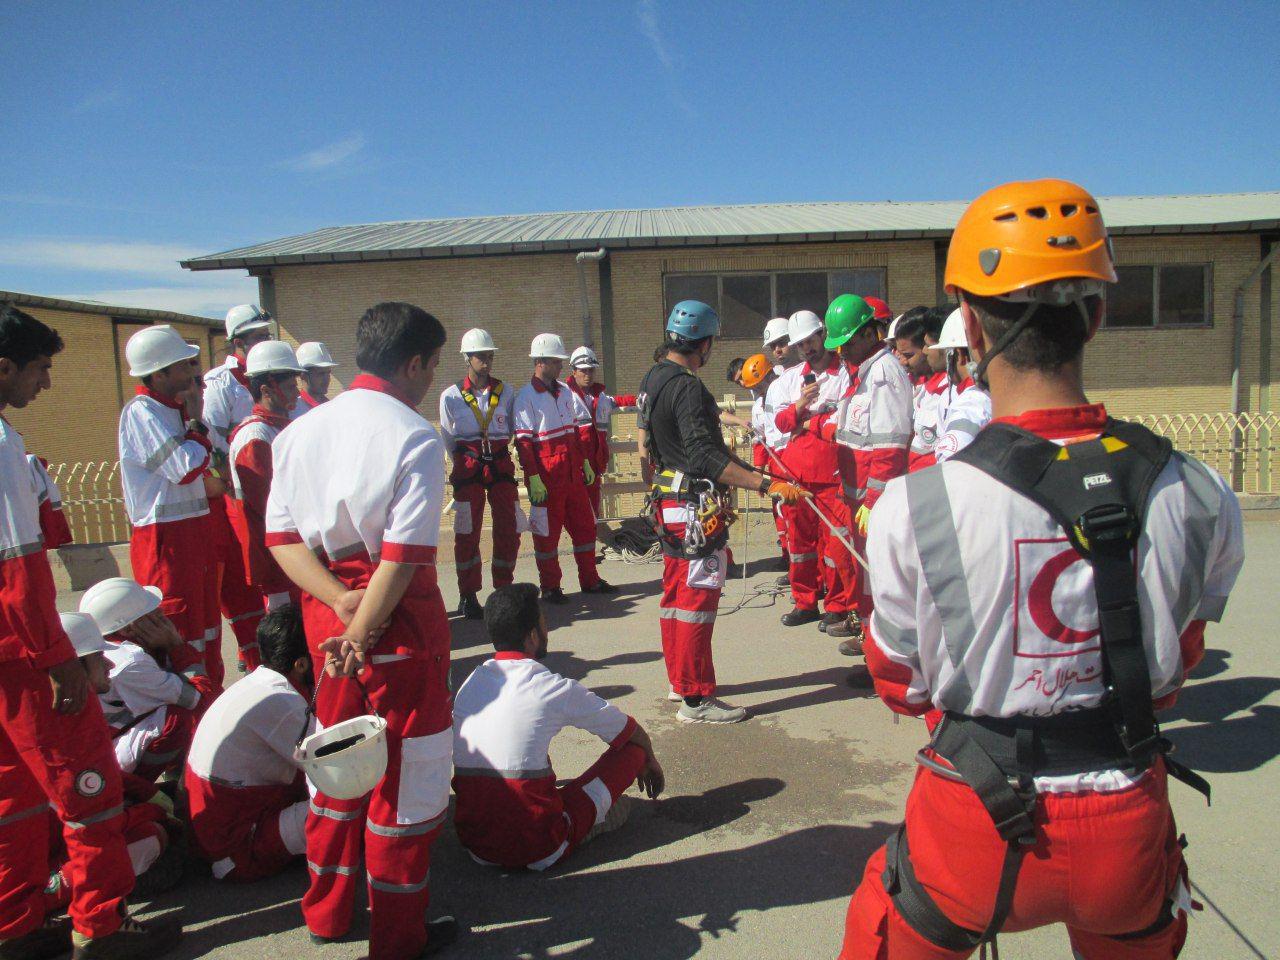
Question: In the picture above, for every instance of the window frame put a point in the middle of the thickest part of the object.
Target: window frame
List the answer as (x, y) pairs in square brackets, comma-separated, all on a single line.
[(1207, 323)]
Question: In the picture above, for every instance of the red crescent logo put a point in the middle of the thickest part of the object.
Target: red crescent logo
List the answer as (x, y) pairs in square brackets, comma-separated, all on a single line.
[(1040, 600)]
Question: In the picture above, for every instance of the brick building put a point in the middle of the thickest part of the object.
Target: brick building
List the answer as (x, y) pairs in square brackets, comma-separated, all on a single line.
[(1169, 343)]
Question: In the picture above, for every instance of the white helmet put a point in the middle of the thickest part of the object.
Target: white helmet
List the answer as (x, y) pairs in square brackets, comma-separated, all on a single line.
[(346, 760), (775, 330), (246, 317), (476, 340), (315, 356), (548, 345), (803, 323), (584, 358), (952, 336), (271, 356), (116, 602), (893, 327), (83, 632), (154, 348)]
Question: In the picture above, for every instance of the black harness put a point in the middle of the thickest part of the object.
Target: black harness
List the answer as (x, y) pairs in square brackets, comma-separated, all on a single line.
[(1097, 491)]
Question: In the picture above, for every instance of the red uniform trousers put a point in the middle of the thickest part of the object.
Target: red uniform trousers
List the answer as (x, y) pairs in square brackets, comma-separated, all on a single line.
[(502, 496), (617, 770), (178, 558), (567, 507), (818, 559), (237, 829), (407, 684), (67, 761), (1104, 864), (687, 617), (145, 838), (241, 605)]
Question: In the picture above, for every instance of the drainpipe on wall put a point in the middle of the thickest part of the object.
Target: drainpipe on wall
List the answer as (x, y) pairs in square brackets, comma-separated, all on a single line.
[(1237, 354), (581, 259)]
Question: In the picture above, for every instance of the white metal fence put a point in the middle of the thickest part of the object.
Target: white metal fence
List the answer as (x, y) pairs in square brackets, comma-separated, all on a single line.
[(1242, 448)]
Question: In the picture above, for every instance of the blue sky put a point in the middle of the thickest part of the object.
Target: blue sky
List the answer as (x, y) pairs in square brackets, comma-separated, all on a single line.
[(136, 134)]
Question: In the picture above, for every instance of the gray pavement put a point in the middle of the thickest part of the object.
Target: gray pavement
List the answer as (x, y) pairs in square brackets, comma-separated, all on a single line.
[(755, 848)]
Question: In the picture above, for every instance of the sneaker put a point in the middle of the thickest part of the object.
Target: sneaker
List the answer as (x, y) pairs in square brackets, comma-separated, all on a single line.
[(470, 608), (616, 817), (441, 933), (134, 940), (600, 586), (711, 710), (800, 616), (554, 595), (673, 696), (52, 939), (828, 620), (783, 581)]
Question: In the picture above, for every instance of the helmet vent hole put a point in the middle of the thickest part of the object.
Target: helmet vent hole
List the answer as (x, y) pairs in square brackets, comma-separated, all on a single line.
[(1089, 209), (1006, 218), (1040, 213), (1069, 209)]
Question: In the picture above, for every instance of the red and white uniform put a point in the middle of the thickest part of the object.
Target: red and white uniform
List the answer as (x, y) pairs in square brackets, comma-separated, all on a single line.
[(554, 435), (228, 403), (305, 402), (53, 522), (602, 407), (251, 472), (162, 470), (248, 797), (925, 422), (48, 758), (817, 557), (509, 811), (471, 435), (968, 411), (763, 423), (355, 496), (982, 607)]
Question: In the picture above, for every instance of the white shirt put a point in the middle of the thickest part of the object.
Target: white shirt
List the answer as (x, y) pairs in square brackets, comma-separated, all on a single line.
[(155, 455), (966, 414), (226, 402), (832, 385), (255, 430), (775, 400), (246, 738), (542, 416), (19, 499), (140, 684), (458, 421), (363, 473), (877, 414)]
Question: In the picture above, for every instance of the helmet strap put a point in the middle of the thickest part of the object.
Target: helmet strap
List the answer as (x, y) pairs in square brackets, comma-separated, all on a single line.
[(1015, 331)]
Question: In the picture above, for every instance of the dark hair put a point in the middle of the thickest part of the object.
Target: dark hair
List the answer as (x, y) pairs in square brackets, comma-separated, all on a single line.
[(510, 614), (1055, 336), (23, 338), (917, 322), (735, 369), (390, 334), (681, 345), (281, 639), (261, 380), (659, 352)]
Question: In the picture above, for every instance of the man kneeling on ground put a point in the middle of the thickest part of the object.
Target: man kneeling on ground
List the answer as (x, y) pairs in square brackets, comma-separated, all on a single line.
[(509, 811), (248, 797)]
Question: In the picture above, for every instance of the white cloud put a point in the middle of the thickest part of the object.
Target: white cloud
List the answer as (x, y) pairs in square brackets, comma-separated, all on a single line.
[(154, 259), (647, 12), (326, 157), (208, 297)]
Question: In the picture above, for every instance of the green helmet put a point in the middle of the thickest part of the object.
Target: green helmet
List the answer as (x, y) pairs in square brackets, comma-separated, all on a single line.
[(847, 314)]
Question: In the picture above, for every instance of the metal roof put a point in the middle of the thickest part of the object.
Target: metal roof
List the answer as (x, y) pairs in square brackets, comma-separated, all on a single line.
[(104, 309), (719, 225)]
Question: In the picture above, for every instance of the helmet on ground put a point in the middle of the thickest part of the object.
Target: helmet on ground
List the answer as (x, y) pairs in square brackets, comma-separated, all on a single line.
[(154, 348), (952, 336), (584, 358), (116, 602), (82, 630), (754, 371), (346, 760), (1023, 235), (315, 356), (775, 330), (245, 317), (271, 356), (880, 309), (847, 314), (476, 340), (802, 325), (548, 345), (693, 320)]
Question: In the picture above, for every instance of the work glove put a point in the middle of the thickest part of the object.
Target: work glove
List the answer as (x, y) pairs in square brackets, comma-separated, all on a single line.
[(861, 518), (588, 473), (164, 802), (537, 490), (788, 492)]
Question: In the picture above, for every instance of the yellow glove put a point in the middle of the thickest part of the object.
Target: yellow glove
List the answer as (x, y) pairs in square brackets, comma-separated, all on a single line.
[(861, 518), (588, 473), (162, 800), (537, 490)]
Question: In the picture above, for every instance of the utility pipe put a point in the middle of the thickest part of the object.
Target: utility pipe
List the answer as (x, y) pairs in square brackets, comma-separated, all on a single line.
[(1237, 359), (581, 259)]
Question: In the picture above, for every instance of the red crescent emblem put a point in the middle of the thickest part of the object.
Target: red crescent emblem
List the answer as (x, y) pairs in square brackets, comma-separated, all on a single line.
[(1040, 600)]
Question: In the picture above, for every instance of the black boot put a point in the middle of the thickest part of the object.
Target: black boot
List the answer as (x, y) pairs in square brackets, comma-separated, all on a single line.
[(800, 616), (600, 586), (133, 941), (554, 595), (470, 607), (441, 933), (53, 939), (829, 620)]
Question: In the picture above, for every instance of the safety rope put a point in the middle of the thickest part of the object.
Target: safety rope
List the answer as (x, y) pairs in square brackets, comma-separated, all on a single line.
[(634, 546)]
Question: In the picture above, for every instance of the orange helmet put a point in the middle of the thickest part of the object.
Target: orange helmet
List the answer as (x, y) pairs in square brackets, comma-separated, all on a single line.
[(1023, 234), (754, 371)]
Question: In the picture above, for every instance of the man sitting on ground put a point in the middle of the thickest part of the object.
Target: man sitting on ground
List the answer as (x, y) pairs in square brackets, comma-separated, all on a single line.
[(248, 797), (509, 811)]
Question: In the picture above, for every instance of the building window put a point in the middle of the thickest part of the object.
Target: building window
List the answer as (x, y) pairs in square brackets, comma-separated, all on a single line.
[(747, 301), (1173, 295)]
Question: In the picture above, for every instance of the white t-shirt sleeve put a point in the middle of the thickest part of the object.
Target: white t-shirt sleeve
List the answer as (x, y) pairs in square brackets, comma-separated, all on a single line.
[(1226, 553), (144, 685), (893, 560), (413, 522), (578, 707), (151, 443)]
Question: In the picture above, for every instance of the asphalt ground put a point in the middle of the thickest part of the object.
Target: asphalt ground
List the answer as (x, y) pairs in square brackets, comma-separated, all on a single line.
[(755, 847)]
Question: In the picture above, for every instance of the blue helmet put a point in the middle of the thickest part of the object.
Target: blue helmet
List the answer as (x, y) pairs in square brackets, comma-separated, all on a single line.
[(693, 320)]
